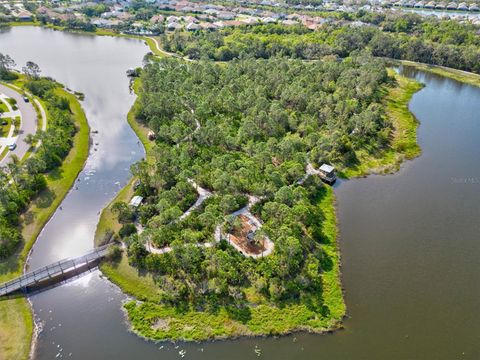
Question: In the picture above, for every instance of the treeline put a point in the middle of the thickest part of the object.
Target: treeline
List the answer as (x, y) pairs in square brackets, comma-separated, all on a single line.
[(22, 180), (260, 121), (71, 24), (398, 36)]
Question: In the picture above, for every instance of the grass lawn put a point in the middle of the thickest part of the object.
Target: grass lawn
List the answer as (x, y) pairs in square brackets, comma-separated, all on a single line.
[(16, 323), (403, 144), (4, 152), (3, 107), (5, 129)]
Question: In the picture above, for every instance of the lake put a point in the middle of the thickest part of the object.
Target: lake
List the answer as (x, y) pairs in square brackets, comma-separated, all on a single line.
[(409, 241)]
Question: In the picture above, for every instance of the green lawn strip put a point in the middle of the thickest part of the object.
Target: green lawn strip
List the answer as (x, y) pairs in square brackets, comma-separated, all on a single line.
[(5, 129), (403, 143), (108, 221), (130, 280), (24, 23), (459, 75), (4, 152), (16, 323), (332, 287), (153, 47), (139, 129), (16, 329)]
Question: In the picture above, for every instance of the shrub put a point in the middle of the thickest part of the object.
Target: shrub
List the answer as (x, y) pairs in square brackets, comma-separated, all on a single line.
[(127, 230)]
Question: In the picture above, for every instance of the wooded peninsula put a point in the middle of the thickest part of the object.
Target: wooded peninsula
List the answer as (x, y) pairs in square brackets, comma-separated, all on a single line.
[(237, 234)]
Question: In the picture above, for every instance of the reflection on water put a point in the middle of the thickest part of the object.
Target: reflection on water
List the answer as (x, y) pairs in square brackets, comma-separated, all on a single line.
[(409, 241)]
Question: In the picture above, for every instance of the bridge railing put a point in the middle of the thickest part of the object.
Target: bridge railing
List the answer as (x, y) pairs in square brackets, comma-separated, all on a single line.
[(51, 270)]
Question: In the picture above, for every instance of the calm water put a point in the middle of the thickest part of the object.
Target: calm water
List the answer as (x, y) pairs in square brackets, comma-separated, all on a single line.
[(409, 241), (467, 15)]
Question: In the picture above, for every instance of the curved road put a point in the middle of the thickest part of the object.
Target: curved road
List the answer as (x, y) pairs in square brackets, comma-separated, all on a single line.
[(28, 123)]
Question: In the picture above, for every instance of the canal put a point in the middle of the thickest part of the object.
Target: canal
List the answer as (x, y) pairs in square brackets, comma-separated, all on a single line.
[(409, 241)]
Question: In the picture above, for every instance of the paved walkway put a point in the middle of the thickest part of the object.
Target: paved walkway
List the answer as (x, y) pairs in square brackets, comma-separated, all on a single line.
[(245, 211), (166, 53), (310, 171), (203, 195), (28, 123)]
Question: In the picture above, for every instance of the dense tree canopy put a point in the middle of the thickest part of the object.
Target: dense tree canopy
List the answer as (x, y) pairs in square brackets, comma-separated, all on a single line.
[(248, 127), (398, 36)]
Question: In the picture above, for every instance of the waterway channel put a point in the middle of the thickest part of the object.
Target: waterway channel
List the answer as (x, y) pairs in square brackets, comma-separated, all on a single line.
[(410, 241)]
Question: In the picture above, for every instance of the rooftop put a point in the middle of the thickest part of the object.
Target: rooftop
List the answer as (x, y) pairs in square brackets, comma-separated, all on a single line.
[(327, 168)]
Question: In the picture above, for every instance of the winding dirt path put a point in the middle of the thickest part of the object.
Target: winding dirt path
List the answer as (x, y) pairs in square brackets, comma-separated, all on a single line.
[(166, 53)]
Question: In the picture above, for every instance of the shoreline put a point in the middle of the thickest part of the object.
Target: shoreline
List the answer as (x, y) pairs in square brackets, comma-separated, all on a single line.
[(454, 74), (72, 165), (403, 145)]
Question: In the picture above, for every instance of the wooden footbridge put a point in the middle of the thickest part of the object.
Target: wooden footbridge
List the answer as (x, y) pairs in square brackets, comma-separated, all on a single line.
[(54, 273)]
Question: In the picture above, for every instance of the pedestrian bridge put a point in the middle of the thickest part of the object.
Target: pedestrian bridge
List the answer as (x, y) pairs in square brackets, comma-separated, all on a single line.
[(54, 273)]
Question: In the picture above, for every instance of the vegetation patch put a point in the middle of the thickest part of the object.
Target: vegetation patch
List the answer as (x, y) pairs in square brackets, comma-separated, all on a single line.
[(403, 139)]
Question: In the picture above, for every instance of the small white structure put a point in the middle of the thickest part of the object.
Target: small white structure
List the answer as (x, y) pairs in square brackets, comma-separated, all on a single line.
[(136, 201), (327, 173)]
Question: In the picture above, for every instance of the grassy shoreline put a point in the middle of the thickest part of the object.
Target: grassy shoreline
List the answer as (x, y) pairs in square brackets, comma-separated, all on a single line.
[(458, 75), (403, 145), (16, 319), (191, 325)]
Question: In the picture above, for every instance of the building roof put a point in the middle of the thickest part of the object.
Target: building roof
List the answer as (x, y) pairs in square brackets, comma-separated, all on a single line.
[(327, 168), (136, 201), (193, 27)]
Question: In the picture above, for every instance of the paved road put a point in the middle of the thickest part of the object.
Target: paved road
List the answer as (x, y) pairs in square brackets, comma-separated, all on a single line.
[(28, 122)]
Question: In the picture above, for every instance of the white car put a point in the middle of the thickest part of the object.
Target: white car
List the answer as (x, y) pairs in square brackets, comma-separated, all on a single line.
[(12, 147)]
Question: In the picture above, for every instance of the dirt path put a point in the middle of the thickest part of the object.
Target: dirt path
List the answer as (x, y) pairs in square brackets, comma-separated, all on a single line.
[(166, 53)]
